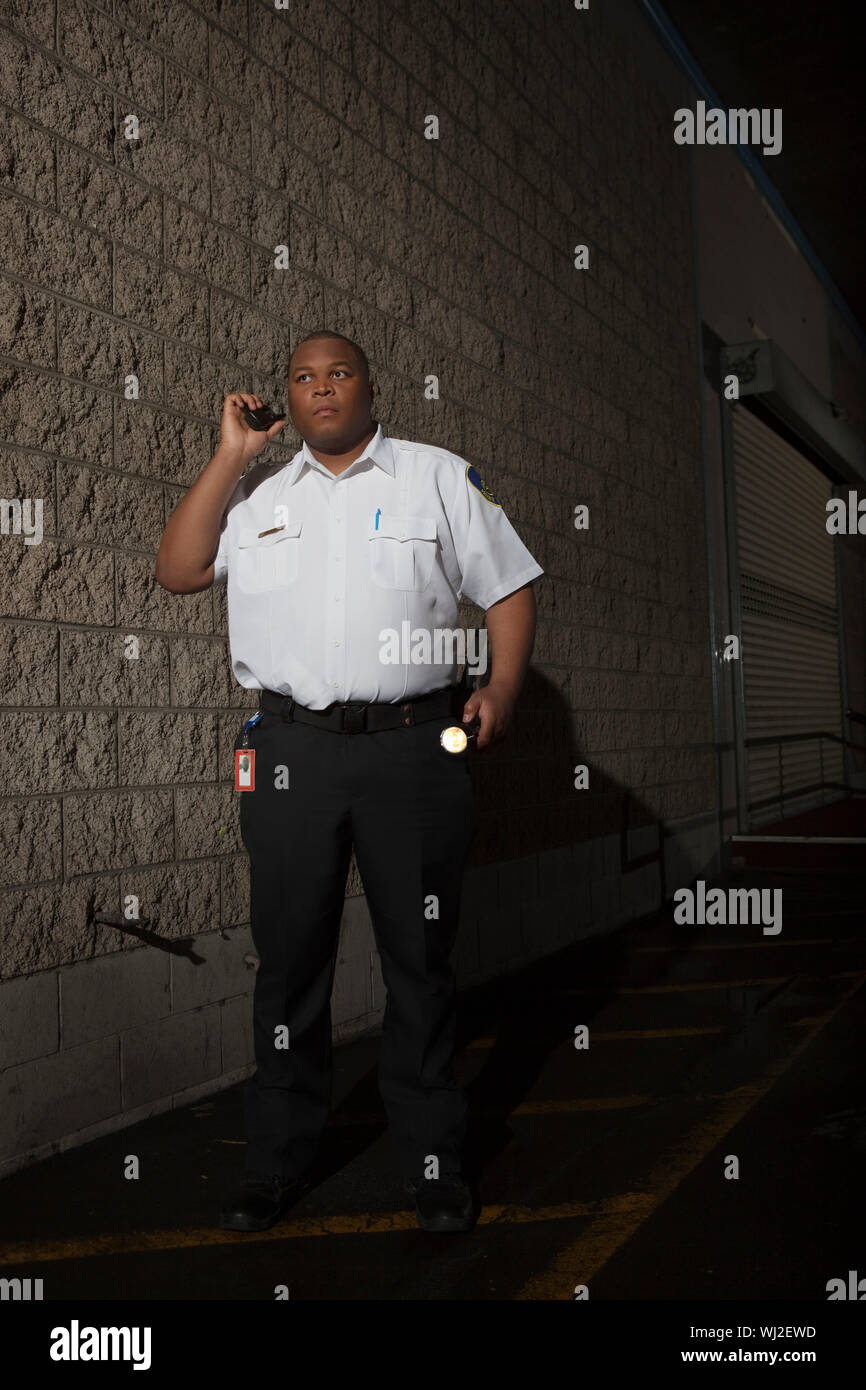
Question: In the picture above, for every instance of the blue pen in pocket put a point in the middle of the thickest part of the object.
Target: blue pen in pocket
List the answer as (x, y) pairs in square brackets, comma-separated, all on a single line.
[(378, 514)]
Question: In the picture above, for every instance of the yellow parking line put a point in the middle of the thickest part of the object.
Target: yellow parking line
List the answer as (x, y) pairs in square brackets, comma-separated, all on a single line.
[(757, 945), (580, 1261), (539, 1107), (623, 1034), (638, 1034), (684, 988), (614, 1219), (565, 1107), (681, 988), (350, 1224)]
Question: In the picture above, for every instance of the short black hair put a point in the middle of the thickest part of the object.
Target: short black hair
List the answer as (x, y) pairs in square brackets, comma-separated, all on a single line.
[(359, 352)]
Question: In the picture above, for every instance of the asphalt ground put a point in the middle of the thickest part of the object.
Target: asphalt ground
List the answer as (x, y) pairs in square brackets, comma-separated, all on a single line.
[(602, 1167)]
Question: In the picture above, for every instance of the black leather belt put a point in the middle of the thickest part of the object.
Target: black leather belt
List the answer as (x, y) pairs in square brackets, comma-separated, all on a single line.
[(355, 717)]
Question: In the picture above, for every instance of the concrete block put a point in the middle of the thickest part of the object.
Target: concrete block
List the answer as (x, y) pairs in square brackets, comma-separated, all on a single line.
[(110, 199), (207, 821), (356, 928), (158, 747), (29, 1018), (581, 909), (595, 857), (55, 925), (643, 839), (174, 304), (51, 1098), (170, 1055), (28, 664), (612, 853), (555, 869), (141, 601), (31, 167), (179, 901), (201, 675), (518, 879), (678, 867), (96, 670), (538, 929), (222, 975), (582, 857), (56, 580), (30, 836), (63, 751), (560, 920), (103, 997), (354, 886), (648, 888), (604, 898), (234, 890), (106, 508), (110, 830), (636, 890)]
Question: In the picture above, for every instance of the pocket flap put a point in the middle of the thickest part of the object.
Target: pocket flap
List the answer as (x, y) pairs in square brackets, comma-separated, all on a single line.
[(248, 535), (404, 528)]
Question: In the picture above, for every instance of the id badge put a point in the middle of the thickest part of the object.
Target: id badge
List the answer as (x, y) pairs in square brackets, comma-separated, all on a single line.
[(245, 769)]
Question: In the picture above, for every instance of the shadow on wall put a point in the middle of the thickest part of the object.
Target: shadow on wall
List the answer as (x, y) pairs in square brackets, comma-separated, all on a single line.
[(525, 788)]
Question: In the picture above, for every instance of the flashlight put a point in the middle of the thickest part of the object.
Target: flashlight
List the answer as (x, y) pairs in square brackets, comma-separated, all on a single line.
[(454, 739)]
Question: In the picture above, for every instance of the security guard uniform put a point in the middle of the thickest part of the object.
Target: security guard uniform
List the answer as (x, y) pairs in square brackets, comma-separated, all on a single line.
[(319, 569)]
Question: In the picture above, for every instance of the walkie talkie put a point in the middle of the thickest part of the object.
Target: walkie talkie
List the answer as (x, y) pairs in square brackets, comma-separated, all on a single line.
[(261, 418)]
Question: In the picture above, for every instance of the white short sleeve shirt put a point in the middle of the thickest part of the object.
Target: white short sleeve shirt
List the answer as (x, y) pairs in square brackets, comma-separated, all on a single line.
[(333, 582)]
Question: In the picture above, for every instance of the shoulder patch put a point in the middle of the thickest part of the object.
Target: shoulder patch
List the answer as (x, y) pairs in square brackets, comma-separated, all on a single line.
[(479, 484)]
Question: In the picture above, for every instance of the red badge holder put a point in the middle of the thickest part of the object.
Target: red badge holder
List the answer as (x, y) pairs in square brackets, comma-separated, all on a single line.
[(245, 759), (245, 769)]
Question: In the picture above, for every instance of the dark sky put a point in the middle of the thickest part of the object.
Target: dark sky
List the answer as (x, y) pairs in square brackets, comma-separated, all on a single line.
[(808, 59)]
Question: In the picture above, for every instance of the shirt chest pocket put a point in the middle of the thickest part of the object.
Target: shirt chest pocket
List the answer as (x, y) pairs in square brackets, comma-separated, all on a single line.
[(269, 561), (402, 552)]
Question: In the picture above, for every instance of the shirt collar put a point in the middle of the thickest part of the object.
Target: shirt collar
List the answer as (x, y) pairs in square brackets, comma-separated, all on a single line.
[(378, 450)]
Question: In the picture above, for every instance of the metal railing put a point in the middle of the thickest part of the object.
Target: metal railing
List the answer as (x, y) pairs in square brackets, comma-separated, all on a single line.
[(821, 786)]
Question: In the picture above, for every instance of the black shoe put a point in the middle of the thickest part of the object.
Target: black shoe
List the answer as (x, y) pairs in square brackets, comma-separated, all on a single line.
[(259, 1201), (443, 1204)]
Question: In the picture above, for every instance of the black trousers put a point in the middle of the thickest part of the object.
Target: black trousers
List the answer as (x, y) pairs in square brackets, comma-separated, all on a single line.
[(408, 807)]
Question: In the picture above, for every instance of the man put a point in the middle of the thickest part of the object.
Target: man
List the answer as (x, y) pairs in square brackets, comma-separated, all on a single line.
[(358, 536)]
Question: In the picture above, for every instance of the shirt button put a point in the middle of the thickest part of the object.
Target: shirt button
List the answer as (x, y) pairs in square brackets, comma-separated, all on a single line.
[(338, 557), (336, 598), (402, 535), (336, 644), (335, 684)]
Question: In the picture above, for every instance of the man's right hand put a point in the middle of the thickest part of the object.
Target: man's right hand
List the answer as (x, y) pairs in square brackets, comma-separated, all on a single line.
[(185, 562), (236, 435)]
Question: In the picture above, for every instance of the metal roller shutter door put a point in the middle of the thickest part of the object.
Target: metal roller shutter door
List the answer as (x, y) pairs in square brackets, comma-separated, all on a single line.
[(789, 646)]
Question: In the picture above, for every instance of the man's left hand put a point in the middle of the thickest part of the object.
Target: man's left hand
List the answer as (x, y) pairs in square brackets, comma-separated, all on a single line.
[(494, 708)]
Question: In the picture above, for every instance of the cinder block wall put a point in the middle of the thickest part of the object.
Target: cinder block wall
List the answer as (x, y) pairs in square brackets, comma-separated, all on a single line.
[(152, 158)]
